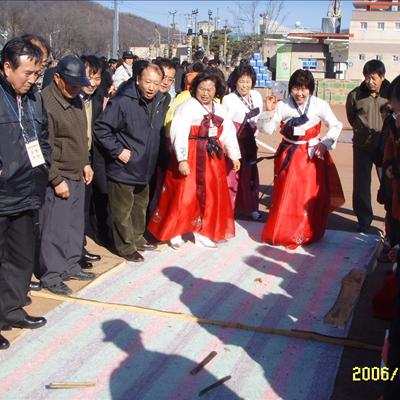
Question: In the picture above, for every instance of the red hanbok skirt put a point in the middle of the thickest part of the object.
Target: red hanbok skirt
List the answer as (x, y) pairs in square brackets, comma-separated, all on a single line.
[(179, 210), (305, 192)]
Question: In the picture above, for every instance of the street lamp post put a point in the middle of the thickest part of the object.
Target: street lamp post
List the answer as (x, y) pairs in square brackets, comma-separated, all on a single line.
[(194, 13), (208, 32)]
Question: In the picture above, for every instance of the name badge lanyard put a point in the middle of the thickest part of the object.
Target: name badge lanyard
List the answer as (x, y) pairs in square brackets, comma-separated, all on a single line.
[(31, 143), (250, 104), (212, 130)]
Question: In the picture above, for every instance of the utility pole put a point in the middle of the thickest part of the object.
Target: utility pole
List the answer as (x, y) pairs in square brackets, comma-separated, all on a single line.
[(216, 21), (158, 41), (172, 32), (208, 32), (195, 12), (115, 39), (225, 38)]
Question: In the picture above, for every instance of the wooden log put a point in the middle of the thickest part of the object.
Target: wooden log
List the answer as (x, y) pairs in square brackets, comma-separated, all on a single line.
[(341, 311)]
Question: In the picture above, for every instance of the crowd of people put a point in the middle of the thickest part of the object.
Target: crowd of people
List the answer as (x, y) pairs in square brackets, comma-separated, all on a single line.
[(134, 152)]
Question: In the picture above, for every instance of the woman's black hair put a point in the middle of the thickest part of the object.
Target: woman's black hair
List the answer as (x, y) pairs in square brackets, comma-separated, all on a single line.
[(300, 78), (209, 75), (241, 70)]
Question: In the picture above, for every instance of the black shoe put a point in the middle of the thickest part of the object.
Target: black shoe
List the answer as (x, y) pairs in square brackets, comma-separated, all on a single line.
[(36, 286), (28, 301), (91, 257), (81, 276), (29, 322), (147, 247), (85, 264), (134, 257), (60, 288), (4, 343)]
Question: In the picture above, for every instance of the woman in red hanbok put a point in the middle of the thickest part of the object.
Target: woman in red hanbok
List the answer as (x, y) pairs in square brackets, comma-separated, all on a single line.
[(306, 185), (244, 106), (194, 197)]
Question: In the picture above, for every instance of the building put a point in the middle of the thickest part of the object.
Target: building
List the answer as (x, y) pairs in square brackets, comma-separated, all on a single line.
[(375, 29)]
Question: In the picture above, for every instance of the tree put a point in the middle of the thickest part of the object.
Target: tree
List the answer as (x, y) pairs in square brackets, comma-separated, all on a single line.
[(77, 27)]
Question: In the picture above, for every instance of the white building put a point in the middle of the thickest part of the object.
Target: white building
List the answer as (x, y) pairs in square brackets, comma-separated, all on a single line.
[(375, 29)]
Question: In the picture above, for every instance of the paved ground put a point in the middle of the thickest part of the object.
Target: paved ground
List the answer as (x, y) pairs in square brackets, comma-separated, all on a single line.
[(364, 327)]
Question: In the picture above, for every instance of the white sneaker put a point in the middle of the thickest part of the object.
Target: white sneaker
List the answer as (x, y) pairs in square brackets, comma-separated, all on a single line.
[(204, 241), (176, 242)]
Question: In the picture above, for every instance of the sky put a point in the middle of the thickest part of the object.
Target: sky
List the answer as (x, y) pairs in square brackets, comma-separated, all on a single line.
[(308, 13)]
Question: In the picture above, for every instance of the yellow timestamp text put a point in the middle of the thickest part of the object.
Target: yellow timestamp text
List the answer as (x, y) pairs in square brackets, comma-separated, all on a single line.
[(363, 374)]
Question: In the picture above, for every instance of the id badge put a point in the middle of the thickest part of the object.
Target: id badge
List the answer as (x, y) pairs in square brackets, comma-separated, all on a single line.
[(34, 153), (299, 131), (212, 131)]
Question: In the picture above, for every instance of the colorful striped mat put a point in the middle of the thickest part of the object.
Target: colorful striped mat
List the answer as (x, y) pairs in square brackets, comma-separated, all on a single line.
[(134, 356)]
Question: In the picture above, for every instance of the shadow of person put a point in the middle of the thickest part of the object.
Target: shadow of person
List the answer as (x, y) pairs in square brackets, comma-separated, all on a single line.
[(152, 374), (225, 301)]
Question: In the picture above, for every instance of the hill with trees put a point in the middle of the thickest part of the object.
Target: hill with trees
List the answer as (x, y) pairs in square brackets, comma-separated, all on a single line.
[(74, 27)]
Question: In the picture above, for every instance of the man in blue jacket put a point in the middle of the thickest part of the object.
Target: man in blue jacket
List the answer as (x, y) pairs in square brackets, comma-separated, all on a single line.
[(129, 130), (24, 162)]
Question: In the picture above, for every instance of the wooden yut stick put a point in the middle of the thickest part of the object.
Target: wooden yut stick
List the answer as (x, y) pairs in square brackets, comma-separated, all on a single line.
[(214, 385), (202, 364), (70, 385)]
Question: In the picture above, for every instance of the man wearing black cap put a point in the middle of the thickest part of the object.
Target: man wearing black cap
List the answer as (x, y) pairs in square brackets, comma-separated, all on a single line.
[(124, 71), (62, 215)]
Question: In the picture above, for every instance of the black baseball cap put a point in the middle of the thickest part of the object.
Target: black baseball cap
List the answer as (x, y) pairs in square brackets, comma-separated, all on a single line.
[(72, 70), (128, 54)]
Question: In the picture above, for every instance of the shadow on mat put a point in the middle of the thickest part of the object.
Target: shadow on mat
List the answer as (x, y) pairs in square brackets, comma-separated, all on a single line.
[(154, 375), (225, 301)]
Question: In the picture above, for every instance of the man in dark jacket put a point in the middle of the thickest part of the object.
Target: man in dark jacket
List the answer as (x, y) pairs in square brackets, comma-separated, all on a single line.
[(129, 130), (61, 218), (24, 161), (363, 107)]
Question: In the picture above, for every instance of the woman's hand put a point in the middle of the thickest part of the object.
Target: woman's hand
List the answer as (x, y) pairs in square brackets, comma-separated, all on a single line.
[(320, 150), (184, 168), (270, 103), (236, 165)]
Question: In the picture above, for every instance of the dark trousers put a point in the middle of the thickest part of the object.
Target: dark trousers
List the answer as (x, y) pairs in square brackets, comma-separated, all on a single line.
[(128, 205), (62, 225), (17, 249), (362, 167), (97, 217)]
